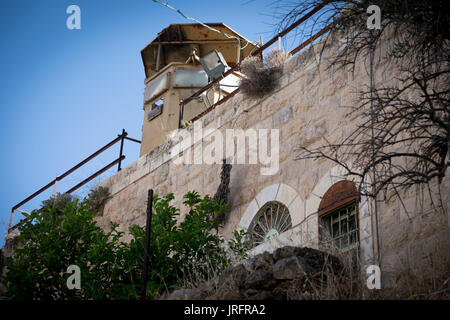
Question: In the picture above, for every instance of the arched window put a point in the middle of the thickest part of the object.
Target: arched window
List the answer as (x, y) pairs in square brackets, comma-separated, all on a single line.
[(271, 220), (338, 218)]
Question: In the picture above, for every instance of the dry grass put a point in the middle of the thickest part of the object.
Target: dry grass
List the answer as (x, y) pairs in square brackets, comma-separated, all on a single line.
[(349, 283), (430, 281), (276, 58), (262, 79), (201, 271)]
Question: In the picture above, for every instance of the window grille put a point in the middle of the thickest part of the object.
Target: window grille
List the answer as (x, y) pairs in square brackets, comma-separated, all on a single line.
[(270, 221), (341, 230)]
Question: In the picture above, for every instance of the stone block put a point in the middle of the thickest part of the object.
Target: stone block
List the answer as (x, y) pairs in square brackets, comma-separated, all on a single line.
[(286, 194), (264, 124), (290, 268), (297, 211), (292, 128), (268, 194), (426, 225), (259, 279), (242, 195), (396, 236), (161, 174), (270, 106), (250, 212), (282, 117), (248, 118), (212, 175)]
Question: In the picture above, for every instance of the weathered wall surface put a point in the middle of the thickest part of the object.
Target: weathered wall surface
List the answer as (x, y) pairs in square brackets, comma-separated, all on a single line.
[(311, 103)]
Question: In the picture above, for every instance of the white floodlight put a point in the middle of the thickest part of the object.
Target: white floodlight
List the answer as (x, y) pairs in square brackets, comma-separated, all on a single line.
[(214, 64)]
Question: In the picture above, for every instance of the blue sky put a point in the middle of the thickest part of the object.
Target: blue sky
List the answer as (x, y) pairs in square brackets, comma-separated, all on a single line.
[(66, 93)]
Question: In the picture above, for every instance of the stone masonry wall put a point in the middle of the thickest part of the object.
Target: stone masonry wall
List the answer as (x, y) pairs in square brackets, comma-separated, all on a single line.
[(311, 103)]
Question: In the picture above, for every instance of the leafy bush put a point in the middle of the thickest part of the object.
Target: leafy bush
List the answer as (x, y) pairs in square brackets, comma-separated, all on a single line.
[(56, 238), (59, 202), (97, 199), (240, 245)]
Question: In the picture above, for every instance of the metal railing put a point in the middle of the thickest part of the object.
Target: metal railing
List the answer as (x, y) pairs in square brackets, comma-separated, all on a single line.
[(257, 51), (121, 137)]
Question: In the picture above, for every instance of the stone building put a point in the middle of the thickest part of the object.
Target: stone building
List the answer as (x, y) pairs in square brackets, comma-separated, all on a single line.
[(310, 104)]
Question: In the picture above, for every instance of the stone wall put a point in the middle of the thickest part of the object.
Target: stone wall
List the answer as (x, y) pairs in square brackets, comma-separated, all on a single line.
[(310, 104)]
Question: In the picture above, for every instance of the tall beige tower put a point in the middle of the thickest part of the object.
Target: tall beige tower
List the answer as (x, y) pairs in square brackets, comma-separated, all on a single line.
[(173, 73)]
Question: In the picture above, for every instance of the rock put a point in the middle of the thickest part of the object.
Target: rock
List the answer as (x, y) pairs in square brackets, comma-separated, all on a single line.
[(258, 279), (318, 260), (227, 291), (261, 261), (263, 295), (285, 274), (313, 258), (280, 290), (236, 274), (250, 293), (186, 294), (290, 268), (286, 252)]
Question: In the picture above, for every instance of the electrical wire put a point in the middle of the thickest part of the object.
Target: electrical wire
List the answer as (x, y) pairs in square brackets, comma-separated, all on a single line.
[(206, 26)]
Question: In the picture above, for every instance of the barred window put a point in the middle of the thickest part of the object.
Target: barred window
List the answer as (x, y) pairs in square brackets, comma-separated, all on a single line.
[(341, 227), (338, 219), (271, 220)]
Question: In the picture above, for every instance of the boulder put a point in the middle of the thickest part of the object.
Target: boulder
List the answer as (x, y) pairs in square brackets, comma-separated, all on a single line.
[(259, 279), (290, 268)]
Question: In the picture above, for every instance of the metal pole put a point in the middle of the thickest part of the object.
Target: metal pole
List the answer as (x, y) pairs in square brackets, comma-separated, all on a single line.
[(147, 244), (11, 220), (310, 40), (122, 136), (55, 186), (66, 173), (134, 140), (374, 181), (71, 190), (99, 172)]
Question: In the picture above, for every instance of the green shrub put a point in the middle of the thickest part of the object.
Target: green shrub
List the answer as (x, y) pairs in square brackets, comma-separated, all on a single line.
[(56, 238), (97, 199), (240, 245), (59, 202)]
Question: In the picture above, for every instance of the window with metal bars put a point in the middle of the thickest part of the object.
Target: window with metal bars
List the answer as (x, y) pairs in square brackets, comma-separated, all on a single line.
[(271, 220), (340, 229)]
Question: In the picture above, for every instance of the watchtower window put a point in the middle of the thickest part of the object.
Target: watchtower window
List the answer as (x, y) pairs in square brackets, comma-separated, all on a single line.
[(156, 109)]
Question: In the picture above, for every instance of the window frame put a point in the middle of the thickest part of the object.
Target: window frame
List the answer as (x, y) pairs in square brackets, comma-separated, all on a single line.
[(261, 212), (339, 196), (329, 225)]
